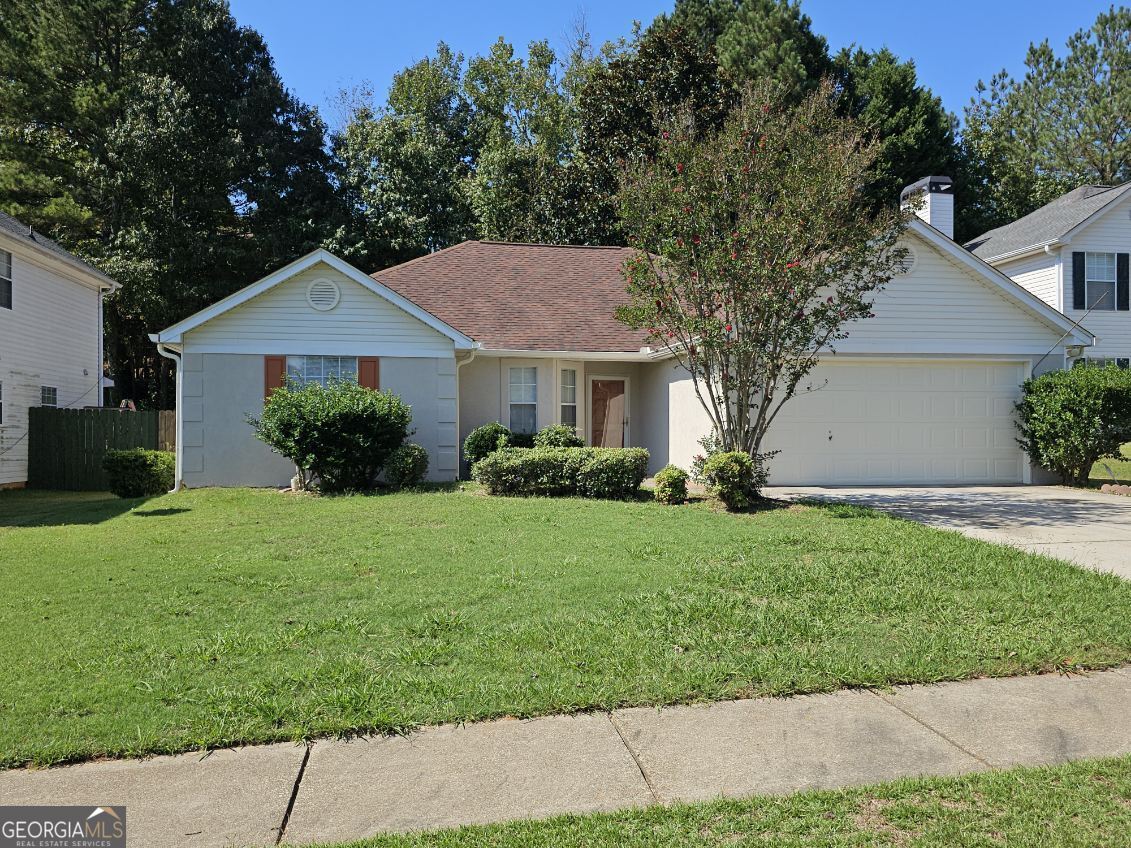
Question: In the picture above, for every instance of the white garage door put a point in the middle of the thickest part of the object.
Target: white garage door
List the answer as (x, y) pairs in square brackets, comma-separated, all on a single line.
[(903, 423)]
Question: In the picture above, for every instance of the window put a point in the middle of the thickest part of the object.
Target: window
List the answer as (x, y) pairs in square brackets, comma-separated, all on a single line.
[(1103, 362), (48, 396), (524, 400), (1099, 280), (569, 397), (5, 280), (322, 370)]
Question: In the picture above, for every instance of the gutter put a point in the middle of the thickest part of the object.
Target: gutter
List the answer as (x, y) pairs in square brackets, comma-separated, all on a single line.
[(459, 445), (1046, 246), (178, 473)]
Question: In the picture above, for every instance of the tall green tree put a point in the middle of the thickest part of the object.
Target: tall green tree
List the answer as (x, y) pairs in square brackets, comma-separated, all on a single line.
[(916, 134), (1064, 123), (155, 138), (402, 168)]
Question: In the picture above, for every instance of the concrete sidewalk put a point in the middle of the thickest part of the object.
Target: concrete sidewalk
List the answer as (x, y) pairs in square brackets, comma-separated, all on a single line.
[(499, 770)]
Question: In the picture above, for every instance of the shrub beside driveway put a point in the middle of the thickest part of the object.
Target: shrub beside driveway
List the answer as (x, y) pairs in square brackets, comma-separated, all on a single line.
[(214, 617)]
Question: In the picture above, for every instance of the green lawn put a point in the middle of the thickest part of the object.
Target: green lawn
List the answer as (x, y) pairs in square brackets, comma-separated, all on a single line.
[(1103, 470), (1080, 805), (220, 616)]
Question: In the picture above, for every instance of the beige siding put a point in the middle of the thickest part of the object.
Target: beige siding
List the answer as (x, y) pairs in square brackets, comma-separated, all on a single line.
[(1039, 274), (281, 321), (942, 307), (220, 390), (49, 338), (1109, 234)]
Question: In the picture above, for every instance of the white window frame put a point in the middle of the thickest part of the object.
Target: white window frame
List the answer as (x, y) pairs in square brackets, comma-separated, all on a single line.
[(522, 401), (1095, 276), (299, 371), (1104, 361), (564, 404), (6, 285), (44, 396)]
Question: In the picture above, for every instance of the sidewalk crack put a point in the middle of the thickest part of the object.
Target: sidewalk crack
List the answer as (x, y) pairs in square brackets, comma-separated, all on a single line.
[(294, 793), (639, 766), (933, 730)]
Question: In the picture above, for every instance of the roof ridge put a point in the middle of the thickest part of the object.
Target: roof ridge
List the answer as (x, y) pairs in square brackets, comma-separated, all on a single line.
[(547, 244), (416, 259)]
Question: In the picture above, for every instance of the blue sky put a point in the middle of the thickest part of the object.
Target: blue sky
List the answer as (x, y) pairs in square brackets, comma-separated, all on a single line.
[(324, 46)]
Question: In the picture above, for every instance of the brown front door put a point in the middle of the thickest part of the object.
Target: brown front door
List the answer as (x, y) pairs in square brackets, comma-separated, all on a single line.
[(607, 399)]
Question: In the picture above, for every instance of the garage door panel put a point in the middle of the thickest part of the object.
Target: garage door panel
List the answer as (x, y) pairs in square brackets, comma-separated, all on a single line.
[(901, 423)]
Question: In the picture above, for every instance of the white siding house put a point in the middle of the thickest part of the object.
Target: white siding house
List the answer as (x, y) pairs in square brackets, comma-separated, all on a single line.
[(50, 336)]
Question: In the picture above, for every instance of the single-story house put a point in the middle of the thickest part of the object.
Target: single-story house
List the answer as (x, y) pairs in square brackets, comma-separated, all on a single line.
[(922, 393)]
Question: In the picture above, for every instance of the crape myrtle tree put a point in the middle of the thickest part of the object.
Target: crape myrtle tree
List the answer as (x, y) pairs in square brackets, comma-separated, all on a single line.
[(755, 249)]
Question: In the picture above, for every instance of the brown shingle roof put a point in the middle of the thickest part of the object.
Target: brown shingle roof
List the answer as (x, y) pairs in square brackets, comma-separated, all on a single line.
[(522, 296)]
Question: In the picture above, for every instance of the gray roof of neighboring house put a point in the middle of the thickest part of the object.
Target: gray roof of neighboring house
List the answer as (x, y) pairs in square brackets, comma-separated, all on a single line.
[(23, 231), (1048, 223)]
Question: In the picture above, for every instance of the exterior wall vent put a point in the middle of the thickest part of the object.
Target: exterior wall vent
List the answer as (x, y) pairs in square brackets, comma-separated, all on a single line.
[(907, 263), (323, 295)]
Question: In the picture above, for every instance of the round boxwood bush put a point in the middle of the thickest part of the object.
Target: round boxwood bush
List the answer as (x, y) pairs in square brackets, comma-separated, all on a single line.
[(136, 473), (557, 436), (483, 440), (338, 436), (734, 478), (406, 466), (1070, 419), (671, 485)]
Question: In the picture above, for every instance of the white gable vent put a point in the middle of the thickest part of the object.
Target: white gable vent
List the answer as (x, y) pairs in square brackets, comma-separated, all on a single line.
[(907, 263), (323, 295)]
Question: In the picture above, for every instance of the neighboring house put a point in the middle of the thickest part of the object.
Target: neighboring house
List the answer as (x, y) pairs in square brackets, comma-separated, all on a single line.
[(923, 393), (1073, 254), (50, 336)]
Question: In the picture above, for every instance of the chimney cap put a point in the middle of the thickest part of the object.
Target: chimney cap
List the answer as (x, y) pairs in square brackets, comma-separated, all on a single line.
[(933, 185)]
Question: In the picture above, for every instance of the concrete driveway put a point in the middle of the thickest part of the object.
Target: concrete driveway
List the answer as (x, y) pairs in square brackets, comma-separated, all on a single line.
[(1089, 528)]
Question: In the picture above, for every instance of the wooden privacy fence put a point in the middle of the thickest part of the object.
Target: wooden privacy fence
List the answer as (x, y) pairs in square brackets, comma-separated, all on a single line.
[(66, 446)]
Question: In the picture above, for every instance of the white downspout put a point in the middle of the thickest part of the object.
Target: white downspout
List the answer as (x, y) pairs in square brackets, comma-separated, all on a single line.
[(459, 443), (178, 474)]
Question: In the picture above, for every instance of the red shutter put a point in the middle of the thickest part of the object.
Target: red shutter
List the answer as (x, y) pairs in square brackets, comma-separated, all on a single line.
[(274, 374), (369, 372)]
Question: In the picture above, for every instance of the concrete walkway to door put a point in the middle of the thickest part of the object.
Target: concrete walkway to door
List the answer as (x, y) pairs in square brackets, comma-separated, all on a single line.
[(1086, 527)]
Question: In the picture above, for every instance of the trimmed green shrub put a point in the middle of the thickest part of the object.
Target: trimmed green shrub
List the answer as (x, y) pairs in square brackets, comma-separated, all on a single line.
[(483, 440), (406, 466), (517, 440), (671, 485), (1070, 419), (339, 436), (138, 472), (562, 472), (711, 445), (558, 436), (734, 478)]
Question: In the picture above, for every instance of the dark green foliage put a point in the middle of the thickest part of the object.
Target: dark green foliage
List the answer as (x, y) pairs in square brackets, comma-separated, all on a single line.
[(1070, 419), (339, 437), (483, 440), (1063, 124), (611, 473), (137, 472), (734, 478), (517, 440), (156, 139), (406, 466), (558, 436), (671, 485)]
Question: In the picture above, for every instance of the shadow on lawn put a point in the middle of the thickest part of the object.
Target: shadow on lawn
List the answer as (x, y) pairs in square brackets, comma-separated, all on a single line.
[(38, 508)]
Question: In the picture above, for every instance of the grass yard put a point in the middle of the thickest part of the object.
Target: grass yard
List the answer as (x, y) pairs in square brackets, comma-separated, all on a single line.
[(1080, 805), (1103, 470), (214, 617)]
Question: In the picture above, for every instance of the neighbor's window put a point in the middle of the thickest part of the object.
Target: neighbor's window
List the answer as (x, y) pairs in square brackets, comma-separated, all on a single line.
[(5, 280), (322, 370), (524, 400), (569, 397), (1103, 362), (48, 396), (1099, 277)]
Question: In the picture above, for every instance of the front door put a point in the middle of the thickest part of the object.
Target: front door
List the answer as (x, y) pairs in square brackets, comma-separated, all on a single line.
[(608, 410)]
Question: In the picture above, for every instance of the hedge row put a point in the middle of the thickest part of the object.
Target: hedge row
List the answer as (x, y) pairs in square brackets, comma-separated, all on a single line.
[(612, 473)]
